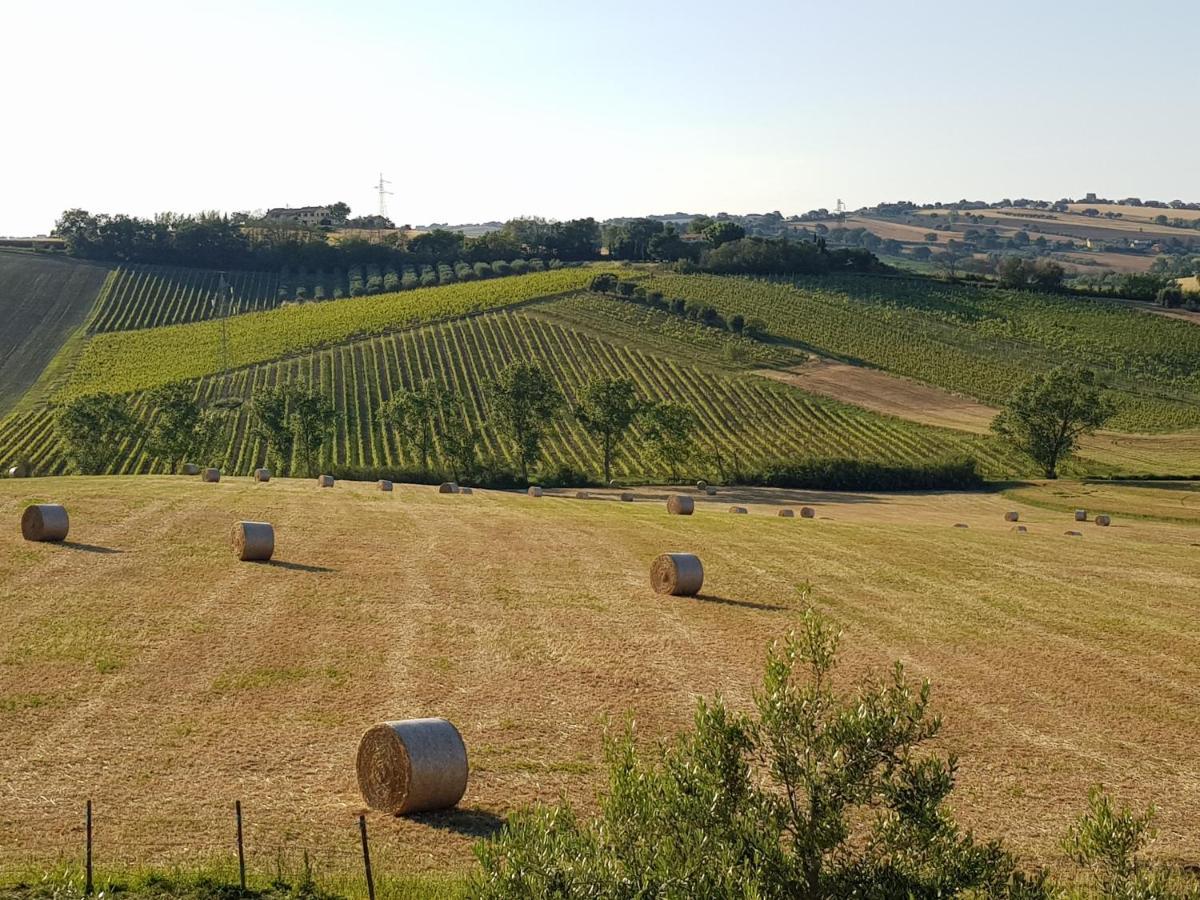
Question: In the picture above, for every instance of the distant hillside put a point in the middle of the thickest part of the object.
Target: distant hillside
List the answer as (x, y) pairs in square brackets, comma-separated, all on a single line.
[(43, 300)]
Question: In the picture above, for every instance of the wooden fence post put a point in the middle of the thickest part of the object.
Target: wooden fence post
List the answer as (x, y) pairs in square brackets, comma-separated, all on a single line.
[(88, 886), (237, 809), (362, 830)]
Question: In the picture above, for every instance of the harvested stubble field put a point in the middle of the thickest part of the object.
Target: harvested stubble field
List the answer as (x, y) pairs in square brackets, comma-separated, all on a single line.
[(142, 666)]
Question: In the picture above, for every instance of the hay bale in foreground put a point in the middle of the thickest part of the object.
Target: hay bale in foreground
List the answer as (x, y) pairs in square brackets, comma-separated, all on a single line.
[(807, 512), (582, 495), (324, 481), (1081, 515), (535, 491), (1012, 516), (680, 505), (413, 765), (1103, 521), (677, 574), (738, 510), (627, 497), (45, 522), (787, 513), (253, 541), (262, 475), (190, 469), (448, 487), (383, 484), (211, 475)]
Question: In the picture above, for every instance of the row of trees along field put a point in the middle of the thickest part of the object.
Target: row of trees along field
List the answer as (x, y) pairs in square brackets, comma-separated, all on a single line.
[(142, 296), (238, 241)]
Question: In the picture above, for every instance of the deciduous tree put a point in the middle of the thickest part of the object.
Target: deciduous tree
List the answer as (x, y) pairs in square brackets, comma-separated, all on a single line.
[(606, 408), (524, 400)]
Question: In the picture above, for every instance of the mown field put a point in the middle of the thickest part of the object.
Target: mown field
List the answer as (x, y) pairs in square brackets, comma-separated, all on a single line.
[(142, 667), (43, 301), (742, 417), (979, 341)]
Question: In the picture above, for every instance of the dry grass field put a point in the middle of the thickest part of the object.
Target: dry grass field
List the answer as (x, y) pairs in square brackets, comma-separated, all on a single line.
[(141, 666)]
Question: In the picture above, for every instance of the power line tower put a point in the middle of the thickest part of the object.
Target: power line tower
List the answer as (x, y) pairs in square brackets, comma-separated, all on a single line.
[(841, 208), (384, 193), (222, 306)]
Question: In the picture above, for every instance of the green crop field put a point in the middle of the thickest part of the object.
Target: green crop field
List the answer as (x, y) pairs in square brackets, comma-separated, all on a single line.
[(133, 360), (43, 301), (979, 341), (153, 296), (741, 416)]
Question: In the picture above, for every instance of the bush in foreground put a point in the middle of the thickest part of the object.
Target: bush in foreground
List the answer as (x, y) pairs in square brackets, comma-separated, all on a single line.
[(814, 795)]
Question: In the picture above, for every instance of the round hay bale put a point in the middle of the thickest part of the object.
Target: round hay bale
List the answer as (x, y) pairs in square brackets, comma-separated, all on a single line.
[(738, 510), (960, 524), (253, 541), (1103, 521), (680, 505), (627, 497), (702, 486), (190, 469), (613, 483), (410, 766), (45, 522), (1012, 516), (677, 574), (448, 487), (710, 491), (324, 481), (211, 475), (787, 513), (262, 475), (1081, 515), (465, 490), (807, 512), (383, 484), (535, 491), (1019, 529), (582, 495), (1074, 534), (15, 472)]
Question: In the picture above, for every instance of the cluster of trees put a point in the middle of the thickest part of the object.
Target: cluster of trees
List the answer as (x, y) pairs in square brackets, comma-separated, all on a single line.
[(781, 256), (296, 422), (704, 313), (814, 793), (237, 241)]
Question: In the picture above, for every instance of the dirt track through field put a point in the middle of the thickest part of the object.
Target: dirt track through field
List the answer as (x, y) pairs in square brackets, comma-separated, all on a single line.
[(142, 666)]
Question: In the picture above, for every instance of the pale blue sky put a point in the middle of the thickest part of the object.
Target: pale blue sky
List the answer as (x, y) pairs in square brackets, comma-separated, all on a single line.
[(481, 111)]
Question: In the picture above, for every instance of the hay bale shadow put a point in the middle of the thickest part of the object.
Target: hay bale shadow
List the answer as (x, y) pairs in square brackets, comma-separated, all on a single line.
[(294, 567), (88, 548), (746, 604), (475, 823)]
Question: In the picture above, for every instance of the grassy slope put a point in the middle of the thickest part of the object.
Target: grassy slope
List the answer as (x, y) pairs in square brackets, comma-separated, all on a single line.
[(143, 667), (979, 341), (43, 301), (741, 416)]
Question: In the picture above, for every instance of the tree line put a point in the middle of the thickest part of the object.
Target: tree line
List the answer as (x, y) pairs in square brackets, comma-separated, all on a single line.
[(296, 423), (238, 241)]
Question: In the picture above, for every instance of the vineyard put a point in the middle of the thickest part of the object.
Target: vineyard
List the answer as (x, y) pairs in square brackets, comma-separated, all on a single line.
[(134, 360), (741, 416), (979, 341), (153, 296)]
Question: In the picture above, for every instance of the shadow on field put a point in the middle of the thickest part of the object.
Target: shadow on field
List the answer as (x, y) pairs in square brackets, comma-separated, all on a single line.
[(745, 604), (475, 823), (88, 548), (296, 567)]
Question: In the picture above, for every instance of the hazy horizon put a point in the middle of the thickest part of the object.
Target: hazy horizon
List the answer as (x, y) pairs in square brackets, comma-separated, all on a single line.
[(484, 114)]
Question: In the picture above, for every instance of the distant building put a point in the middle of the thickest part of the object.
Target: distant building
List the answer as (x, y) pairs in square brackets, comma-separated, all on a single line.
[(1089, 198), (302, 215)]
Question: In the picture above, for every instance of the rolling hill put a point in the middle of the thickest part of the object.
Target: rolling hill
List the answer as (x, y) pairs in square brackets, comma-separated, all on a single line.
[(43, 301)]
